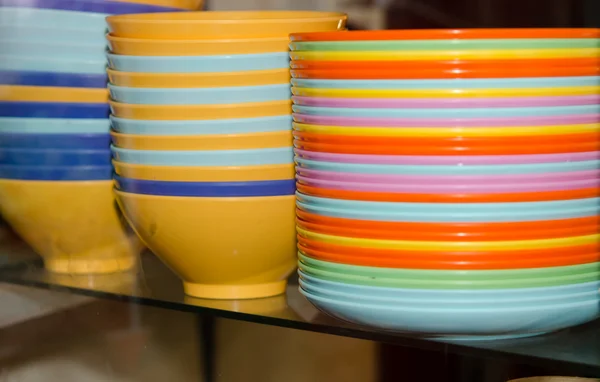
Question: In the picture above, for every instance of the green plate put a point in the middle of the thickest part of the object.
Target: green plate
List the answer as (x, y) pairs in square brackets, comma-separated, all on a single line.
[(558, 43), (437, 279)]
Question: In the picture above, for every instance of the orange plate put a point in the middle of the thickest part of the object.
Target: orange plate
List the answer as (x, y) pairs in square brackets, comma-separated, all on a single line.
[(510, 230), (426, 262), (542, 253), (445, 34), (450, 198), (467, 142), (508, 65), (445, 73), (374, 233), (447, 146)]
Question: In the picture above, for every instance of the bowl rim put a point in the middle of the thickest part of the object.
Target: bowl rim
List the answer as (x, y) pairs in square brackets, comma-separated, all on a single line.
[(246, 18), (217, 41)]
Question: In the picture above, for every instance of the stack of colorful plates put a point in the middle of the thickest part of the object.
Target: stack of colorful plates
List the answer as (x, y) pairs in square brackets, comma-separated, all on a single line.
[(448, 181), (202, 143), (55, 171)]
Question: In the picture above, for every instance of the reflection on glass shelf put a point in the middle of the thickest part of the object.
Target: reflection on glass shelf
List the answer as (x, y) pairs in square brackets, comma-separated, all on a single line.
[(12, 249), (573, 350)]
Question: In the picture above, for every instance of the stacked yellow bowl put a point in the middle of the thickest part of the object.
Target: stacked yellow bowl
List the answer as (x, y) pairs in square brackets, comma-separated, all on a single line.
[(55, 173), (202, 143)]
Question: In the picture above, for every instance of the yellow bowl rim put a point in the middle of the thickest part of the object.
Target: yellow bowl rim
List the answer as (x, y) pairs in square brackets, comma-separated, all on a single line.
[(228, 17), (197, 75), (207, 198), (129, 40), (203, 168), (167, 3), (202, 137)]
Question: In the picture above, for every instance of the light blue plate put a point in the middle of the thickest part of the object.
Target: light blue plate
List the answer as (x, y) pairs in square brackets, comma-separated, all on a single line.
[(205, 158), (52, 18), (51, 64), (477, 83), (513, 215), (371, 296), (32, 33), (449, 169), (207, 127), (53, 125), (201, 96), (502, 112), (487, 321), (450, 296), (16, 47), (198, 64), (449, 208)]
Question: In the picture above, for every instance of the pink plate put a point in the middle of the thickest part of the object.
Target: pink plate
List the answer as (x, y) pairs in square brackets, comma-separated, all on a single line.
[(448, 122), (442, 103), (449, 179), (480, 188), (448, 160)]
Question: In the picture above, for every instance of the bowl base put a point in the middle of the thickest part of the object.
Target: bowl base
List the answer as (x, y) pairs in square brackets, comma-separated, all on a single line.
[(234, 292), (90, 266)]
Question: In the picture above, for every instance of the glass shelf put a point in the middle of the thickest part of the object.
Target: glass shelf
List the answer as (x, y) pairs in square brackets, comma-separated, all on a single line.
[(575, 350)]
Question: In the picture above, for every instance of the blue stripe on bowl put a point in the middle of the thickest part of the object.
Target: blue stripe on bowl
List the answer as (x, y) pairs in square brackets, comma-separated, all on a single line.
[(54, 157), (56, 173), (55, 141), (53, 109), (206, 189)]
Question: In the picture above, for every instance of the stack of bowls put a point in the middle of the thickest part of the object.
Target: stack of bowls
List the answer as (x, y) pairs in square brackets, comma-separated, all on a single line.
[(202, 143), (448, 181), (55, 171)]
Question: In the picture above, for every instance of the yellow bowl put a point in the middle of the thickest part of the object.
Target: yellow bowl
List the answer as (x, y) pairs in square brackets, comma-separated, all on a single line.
[(192, 5), (52, 94), (201, 112), (152, 47), (74, 226), (442, 55), (205, 173), (203, 142), (199, 80), (224, 24), (222, 248)]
